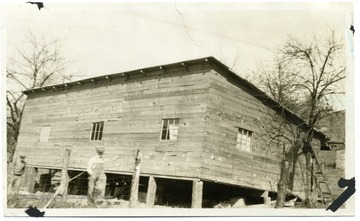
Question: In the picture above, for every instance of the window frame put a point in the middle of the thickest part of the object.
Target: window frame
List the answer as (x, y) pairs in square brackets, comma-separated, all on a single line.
[(246, 137), (44, 135), (97, 131), (176, 122)]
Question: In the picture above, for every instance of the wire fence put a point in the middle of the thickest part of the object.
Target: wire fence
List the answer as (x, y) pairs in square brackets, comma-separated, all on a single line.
[(117, 186), (49, 180)]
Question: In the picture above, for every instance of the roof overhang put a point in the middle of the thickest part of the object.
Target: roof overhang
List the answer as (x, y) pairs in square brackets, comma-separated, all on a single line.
[(127, 74)]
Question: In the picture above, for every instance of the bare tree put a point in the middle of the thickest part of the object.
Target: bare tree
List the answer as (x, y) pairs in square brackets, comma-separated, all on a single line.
[(278, 83), (305, 75), (318, 68), (39, 62), (287, 134)]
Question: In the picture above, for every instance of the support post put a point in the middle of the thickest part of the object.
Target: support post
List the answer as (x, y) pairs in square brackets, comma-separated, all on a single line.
[(135, 181), (64, 174), (151, 192), (30, 175), (267, 199), (197, 192)]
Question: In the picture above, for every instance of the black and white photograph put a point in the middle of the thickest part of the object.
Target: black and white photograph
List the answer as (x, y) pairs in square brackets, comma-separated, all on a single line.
[(178, 108)]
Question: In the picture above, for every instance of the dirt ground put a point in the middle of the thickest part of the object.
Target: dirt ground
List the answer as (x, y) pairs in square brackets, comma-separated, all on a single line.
[(40, 200)]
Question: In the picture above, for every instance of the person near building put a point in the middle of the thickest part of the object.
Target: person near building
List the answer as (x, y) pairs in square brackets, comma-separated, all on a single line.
[(19, 169), (97, 177)]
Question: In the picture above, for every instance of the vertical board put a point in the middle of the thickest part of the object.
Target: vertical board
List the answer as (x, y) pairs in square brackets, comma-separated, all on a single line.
[(197, 193), (151, 192)]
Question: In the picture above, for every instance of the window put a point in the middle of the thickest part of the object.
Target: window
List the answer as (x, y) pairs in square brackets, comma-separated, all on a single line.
[(170, 129), (97, 130), (44, 134), (244, 139)]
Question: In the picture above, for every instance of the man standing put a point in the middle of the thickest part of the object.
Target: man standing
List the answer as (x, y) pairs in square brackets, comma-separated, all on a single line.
[(97, 177), (19, 169)]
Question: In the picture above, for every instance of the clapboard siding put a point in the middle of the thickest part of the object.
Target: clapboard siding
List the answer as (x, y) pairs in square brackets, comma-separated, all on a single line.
[(232, 106), (132, 111), (210, 102)]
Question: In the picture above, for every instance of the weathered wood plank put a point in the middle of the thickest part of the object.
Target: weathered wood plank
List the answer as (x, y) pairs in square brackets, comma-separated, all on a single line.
[(177, 84), (219, 97), (143, 105), (197, 193), (231, 107), (64, 173), (151, 192), (231, 152), (135, 181), (29, 181)]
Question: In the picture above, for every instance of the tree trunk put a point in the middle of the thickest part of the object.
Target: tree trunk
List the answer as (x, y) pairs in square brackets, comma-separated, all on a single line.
[(293, 169), (307, 180), (288, 170), (14, 133), (309, 193), (283, 184), (64, 175)]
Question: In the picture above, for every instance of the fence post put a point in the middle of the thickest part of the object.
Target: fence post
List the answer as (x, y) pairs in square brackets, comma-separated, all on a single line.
[(29, 179), (151, 192), (197, 193), (135, 181), (64, 174)]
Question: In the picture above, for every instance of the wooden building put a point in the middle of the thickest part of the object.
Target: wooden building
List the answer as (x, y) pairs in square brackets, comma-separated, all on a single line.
[(333, 159), (194, 120), (334, 127)]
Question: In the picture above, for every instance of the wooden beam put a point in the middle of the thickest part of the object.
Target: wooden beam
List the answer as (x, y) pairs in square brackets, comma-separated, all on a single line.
[(267, 199), (151, 192), (64, 173), (66, 86), (207, 61), (135, 181), (163, 69), (186, 66), (30, 175), (197, 192), (125, 75)]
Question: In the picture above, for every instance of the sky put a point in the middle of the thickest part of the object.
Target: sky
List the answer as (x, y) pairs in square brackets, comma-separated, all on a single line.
[(106, 38)]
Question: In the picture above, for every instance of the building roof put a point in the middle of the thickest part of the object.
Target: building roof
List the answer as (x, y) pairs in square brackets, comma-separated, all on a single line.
[(262, 96)]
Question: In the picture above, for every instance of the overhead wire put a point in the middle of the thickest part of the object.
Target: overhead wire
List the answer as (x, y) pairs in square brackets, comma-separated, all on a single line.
[(64, 26), (144, 17)]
